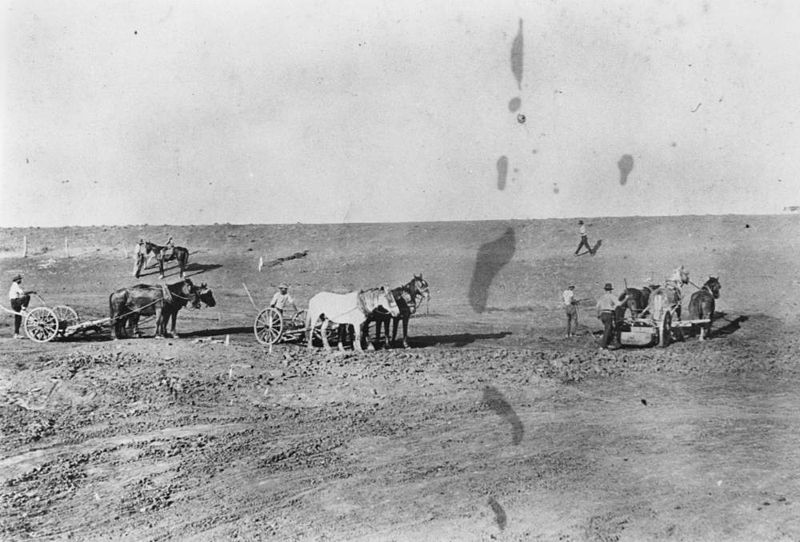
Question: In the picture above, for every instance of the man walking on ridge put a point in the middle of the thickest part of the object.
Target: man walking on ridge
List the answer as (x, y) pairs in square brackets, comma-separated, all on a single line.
[(584, 239)]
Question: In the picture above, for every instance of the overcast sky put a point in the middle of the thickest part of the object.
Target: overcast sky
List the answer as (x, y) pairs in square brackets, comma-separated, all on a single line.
[(195, 112)]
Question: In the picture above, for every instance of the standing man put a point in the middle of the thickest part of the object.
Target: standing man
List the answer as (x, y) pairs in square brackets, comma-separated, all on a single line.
[(138, 258), (606, 312), (572, 312), (584, 239), (19, 299), (282, 298)]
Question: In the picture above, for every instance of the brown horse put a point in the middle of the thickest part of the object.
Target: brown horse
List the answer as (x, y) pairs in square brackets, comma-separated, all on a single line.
[(702, 304), (636, 302), (408, 297), (126, 305), (162, 254)]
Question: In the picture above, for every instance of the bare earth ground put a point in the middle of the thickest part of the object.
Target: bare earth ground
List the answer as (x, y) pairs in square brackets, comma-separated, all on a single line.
[(492, 427)]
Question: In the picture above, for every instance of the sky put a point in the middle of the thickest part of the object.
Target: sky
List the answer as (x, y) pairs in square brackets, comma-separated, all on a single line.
[(201, 112)]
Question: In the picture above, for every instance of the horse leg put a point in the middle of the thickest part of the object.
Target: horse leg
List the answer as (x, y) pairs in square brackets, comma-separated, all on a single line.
[(357, 339), (405, 331), (385, 323), (365, 329), (161, 268), (159, 324), (324, 333), (309, 330), (173, 315)]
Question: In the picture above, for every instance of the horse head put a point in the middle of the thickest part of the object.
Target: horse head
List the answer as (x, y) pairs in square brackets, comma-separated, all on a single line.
[(420, 286), (205, 295), (713, 286), (189, 292)]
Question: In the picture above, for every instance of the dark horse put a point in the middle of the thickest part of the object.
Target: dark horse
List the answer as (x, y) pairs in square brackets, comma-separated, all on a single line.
[(408, 297), (701, 304), (636, 302), (126, 305), (162, 254)]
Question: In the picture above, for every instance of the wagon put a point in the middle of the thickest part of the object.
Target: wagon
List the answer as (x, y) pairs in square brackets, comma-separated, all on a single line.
[(43, 324), (656, 329), (271, 326)]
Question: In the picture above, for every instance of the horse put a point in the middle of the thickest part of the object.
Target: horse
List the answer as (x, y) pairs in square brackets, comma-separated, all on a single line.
[(701, 304), (162, 254), (126, 305), (408, 297), (352, 308), (636, 302)]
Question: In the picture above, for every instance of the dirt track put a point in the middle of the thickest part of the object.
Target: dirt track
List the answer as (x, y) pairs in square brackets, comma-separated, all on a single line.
[(491, 427)]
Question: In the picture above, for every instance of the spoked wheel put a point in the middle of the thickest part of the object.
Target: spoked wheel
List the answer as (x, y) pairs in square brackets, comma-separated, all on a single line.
[(41, 324), (66, 317), (665, 330), (268, 326)]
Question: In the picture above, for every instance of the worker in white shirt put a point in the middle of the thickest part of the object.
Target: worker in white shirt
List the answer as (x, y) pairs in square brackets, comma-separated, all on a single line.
[(282, 298), (584, 239), (572, 312), (19, 300)]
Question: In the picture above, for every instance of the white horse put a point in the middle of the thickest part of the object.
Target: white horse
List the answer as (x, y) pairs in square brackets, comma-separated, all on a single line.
[(352, 308)]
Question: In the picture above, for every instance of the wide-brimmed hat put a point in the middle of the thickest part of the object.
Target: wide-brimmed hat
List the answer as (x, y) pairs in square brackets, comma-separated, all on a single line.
[(16, 278), (580, 221), (282, 286), (571, 286), (608, 286)]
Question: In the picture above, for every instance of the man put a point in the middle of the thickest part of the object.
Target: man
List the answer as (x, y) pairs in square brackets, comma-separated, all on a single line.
[(138, 258), (168, 250), (282, 298), (674, 285), (584, 239), (19, 299), (571, 311), (606, 306)]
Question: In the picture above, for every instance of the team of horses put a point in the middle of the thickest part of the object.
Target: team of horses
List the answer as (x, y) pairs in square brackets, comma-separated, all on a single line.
[(358, 309), (127, 305)]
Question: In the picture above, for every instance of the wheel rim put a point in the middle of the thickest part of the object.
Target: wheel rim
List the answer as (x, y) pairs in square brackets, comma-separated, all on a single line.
[(41, 324), (268, 326), (66, 317)]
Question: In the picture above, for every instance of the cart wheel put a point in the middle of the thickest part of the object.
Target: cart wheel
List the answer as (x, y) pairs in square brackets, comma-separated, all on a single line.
[(66, 317), (665, 330), (41, 324), (268, 326)]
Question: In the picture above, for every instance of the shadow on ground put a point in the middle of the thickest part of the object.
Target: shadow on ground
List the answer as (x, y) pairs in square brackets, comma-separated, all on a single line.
[(457, 340)]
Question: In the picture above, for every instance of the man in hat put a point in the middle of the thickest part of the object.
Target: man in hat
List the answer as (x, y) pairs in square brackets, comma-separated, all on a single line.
[(606, 306), (282, 298), (571, 311), (584, 239), (19, 299)]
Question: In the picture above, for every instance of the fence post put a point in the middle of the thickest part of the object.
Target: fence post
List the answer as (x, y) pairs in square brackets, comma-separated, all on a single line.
[(24, 246), (66, 247)]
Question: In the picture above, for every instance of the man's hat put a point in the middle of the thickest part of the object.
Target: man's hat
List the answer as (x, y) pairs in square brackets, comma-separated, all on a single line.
[(282, 286), (608, 286), (16, 278), (580, 221), (572, 286)]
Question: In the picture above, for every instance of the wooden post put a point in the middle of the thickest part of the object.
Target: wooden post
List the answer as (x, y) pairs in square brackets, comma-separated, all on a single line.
[(24, 246)]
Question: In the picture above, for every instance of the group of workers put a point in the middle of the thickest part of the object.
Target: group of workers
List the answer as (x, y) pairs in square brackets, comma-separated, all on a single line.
[(606, 310)]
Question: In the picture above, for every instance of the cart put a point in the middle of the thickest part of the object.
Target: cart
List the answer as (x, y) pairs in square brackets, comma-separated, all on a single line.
[(43, 324), (271, 326), (656, 329)]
